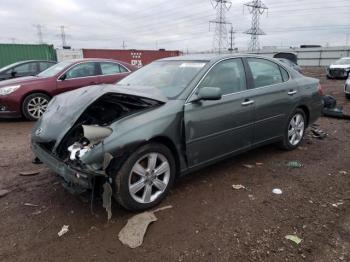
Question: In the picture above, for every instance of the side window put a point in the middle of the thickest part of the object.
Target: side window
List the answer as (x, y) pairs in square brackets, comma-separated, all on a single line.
[(264, 72), (82, 70), (285, 74), (44, 65), (123, 69), (110, 68), (229, 75), (25, 69)]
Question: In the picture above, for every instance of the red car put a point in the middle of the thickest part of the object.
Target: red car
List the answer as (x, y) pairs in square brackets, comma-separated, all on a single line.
[(29, 96)]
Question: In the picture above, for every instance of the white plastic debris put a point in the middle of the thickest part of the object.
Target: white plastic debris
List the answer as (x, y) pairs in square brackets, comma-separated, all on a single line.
[(133, 232), (293, 238), (337, 204), (248, 166), (30, 205), (277, 191), (343, 172), (63, 230), (3, 192), (237, 187)]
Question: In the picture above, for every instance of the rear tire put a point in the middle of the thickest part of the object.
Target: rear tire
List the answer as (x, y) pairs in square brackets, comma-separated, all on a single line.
[(34, 106), (294, 131), (145, 177)]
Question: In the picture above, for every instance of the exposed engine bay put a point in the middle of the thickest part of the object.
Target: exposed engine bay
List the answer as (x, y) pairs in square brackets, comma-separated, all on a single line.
[(92, 127)]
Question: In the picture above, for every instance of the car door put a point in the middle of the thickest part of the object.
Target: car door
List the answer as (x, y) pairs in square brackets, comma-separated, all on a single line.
[(79, 75), (112, 72), (274, 95), (27, 69), (214, 129)]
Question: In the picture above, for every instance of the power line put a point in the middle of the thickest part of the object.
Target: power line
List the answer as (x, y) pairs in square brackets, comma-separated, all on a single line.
[(256, 8), (220, 33)]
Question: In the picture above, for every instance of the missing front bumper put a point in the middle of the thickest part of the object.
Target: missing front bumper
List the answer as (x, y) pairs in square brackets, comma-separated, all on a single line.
[(72, 177)]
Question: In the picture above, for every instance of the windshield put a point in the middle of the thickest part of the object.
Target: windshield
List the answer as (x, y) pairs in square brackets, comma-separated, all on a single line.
[(171, 77), (342, 61), (55, 69)]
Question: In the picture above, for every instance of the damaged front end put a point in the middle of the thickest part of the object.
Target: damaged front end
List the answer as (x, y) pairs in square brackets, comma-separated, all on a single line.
[(70, 136)]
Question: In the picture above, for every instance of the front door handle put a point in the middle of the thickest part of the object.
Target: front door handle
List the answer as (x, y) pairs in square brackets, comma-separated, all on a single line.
[(247, 102), (292, 92)]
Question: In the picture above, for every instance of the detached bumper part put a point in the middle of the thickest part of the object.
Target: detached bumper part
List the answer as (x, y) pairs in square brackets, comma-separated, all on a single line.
[(72, 177)]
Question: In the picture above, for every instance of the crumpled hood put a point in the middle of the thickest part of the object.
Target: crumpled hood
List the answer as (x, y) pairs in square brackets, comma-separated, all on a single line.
[(339, 66), (65, 109), (21, 80)]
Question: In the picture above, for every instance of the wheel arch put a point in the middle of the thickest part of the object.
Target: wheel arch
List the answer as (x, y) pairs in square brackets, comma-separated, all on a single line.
[(306, 112)]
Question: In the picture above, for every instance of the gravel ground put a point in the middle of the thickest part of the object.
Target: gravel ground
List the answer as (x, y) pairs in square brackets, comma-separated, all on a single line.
[(209, 221)]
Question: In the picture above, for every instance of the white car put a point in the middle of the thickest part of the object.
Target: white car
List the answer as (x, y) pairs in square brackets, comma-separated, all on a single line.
[(347, 88), (339, 69)]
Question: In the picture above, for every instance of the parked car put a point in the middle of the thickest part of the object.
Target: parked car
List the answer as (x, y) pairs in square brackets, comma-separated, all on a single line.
[(24, 68), (290, 63), (339, 69), (347, 88), (29, 96), (172, 117)]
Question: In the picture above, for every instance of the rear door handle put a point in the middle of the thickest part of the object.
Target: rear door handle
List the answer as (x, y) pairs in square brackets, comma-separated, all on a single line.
[(292, 92), (247, 102)]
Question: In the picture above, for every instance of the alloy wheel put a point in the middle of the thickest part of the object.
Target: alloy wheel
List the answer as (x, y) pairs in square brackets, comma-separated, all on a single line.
[(37, 106), (149, 177), (296, 129)]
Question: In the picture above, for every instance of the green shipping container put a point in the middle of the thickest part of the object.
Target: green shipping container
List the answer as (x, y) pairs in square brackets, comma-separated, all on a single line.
[(11, 53)]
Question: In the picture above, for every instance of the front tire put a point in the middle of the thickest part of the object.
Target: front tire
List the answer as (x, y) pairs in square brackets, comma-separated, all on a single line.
[(145, 177), (294, 131), (34, 106)]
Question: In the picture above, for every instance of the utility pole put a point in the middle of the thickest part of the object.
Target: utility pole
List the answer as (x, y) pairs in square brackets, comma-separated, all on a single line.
[(123, 45), (232, 39), (220, 33), (256, 8), (39, 33), (63, 36)]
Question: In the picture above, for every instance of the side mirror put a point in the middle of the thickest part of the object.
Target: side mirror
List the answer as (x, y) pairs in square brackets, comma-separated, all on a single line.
[(63, 77), (13, 73), (209, 93)]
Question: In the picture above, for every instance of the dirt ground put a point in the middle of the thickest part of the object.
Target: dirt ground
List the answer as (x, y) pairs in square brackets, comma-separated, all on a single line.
[(209, 221)]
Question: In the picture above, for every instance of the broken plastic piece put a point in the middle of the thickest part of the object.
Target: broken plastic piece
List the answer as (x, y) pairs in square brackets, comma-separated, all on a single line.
[(237, 187), (96, 134), (293, 238), (29, 173), (107, 199), (63, 230), (3, 192), (277, 191), (248, 166), (294, 164)]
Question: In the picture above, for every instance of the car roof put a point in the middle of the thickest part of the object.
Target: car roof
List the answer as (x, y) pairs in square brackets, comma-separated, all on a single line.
[(345, 57), (209, 57)]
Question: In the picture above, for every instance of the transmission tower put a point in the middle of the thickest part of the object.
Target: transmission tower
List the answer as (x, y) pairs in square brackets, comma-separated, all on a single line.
[(63, 36), (256, 8), (39, 33), (220, 34), (232, 39)]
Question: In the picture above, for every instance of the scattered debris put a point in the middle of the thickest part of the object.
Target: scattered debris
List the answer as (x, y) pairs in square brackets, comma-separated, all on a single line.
[(303, 148), (294, 164), (4, 192), (133, 232), (248, 166), (162, 208), (107, 199), (37, 212), (63, 230), (337, 204), (277, 191), (318, 133), (331, 109), (237, 187), (343, 172), (30, 205), (29, 173), (36, 161), (259, 163), (251, 197), (293, 238)]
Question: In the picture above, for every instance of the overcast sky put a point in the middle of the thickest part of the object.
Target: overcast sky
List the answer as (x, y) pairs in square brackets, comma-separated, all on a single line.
[(170, 24)]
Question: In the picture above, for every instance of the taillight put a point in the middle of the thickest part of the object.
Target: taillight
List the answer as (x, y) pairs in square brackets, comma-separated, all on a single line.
[(320, 90)]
